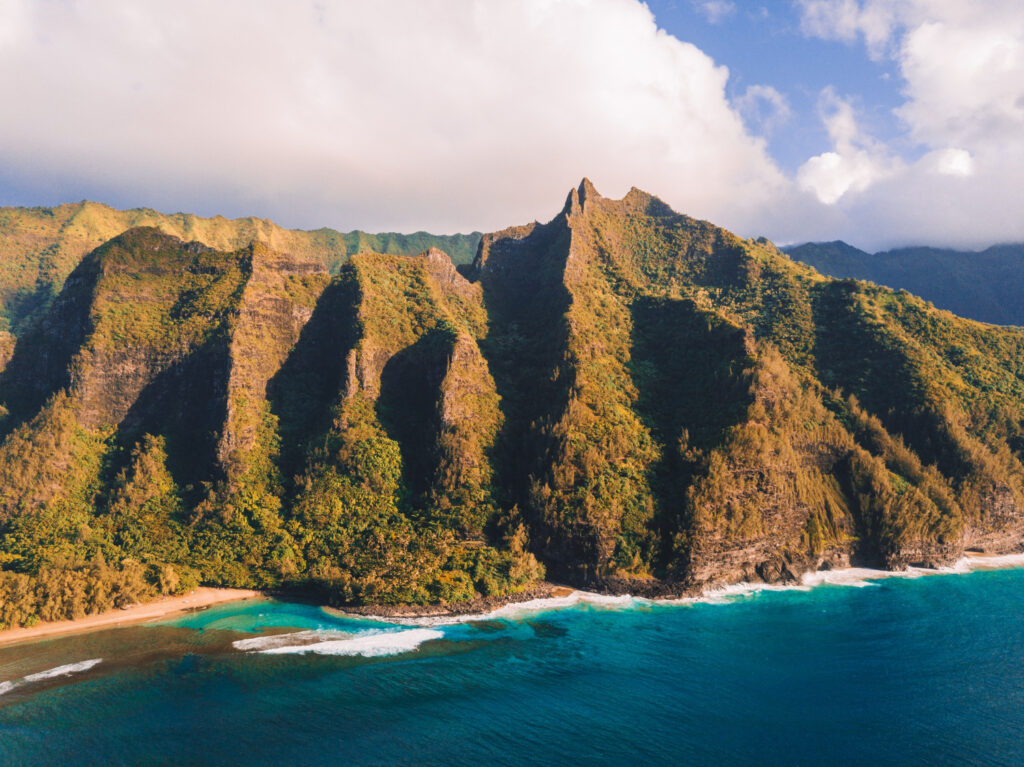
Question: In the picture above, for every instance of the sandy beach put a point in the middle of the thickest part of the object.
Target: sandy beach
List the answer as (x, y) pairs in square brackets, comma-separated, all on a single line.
[(544, 591), (201, 597)]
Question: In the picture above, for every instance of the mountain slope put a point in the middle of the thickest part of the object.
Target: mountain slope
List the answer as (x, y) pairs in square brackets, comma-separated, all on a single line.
[(624, 396), (986, 286), (39, 247), (765, 475)]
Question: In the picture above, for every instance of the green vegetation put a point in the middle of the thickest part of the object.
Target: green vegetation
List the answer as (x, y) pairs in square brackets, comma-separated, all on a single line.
[(623, 397), (157, 461), (40, 247)]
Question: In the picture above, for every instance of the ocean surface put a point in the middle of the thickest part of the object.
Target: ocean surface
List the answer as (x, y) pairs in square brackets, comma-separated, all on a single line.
[(917, 671)]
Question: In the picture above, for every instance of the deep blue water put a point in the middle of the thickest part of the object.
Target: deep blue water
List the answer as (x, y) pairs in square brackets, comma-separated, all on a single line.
[(926, 671)]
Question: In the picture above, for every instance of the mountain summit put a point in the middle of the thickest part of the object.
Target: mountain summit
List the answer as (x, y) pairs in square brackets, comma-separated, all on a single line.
[(623, 397)]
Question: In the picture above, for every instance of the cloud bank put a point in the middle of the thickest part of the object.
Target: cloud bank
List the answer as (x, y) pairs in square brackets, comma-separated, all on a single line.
[(963, 67), (451, 115), (443, 114)]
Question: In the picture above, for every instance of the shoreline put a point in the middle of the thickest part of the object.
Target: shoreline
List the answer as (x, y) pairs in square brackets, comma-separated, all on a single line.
[(542, 590), (204, 596), (553, 596), (542, 596)]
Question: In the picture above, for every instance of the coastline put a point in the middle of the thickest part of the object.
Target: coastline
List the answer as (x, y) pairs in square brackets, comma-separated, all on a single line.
[(542, 596), (481, 605), (203, 596), (549, 596)]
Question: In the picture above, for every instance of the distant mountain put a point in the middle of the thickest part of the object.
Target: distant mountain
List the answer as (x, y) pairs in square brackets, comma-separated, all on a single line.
[(624, 398), (986, 286), (39, 247)]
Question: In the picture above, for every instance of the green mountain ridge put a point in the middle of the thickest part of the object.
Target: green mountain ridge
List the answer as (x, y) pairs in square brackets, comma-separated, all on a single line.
[(623, 398), (39, 247), (986, 285)]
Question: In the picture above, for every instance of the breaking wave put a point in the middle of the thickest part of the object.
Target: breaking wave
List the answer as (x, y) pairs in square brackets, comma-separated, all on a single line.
[(368, 644), (66, 670), (855, 577), (518, 609)]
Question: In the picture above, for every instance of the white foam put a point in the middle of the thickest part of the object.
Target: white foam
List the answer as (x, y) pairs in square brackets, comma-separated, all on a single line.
[(624, 601), (369, 644), (852, 577), (261, 643), (733, 591), (517, 609), (855, 577), (65, 670), (987, 561)]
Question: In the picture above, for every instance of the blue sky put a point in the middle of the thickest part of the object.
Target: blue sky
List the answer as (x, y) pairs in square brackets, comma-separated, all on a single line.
[(762, 43), (880, 122)]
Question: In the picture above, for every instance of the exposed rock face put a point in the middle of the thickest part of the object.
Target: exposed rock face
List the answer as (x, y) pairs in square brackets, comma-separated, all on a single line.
[(644, 401), (276, 303)]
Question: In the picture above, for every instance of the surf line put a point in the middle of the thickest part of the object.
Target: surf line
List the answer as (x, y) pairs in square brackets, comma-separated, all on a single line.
[(66, 670)]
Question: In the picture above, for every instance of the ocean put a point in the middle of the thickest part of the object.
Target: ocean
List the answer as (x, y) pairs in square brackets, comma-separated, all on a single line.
[(911, 671)]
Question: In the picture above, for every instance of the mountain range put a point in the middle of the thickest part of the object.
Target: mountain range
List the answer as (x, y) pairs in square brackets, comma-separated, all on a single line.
[(987, 285), (40, 246), (622, 398)]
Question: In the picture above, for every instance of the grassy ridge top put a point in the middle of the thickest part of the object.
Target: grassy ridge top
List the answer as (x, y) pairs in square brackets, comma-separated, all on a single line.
[(39, 247)]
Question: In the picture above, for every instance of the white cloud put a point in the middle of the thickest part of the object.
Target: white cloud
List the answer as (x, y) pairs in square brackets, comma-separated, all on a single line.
[(716, 11), (962, 62), (848, 20), (437, 114), (857, 161), (452, 115), (764, 108), (950, 162), (965, 76), (13, 22)]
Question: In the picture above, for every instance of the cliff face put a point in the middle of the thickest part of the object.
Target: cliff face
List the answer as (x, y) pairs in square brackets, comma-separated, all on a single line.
[(276, 303), (631, 398), (701, 409)]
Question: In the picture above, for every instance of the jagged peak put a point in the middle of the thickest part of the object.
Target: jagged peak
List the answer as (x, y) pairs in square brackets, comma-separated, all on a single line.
[(636, 199), (436, 256), (441, 267), (587, 191), (637, 196), (647, 203), (572, 203), (578, 197)]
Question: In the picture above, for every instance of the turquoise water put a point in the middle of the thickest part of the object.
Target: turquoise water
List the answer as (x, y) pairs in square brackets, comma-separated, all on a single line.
[(905, 671)]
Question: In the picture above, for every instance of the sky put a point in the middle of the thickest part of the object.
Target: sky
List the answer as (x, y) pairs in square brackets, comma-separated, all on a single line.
[(879, 122)]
